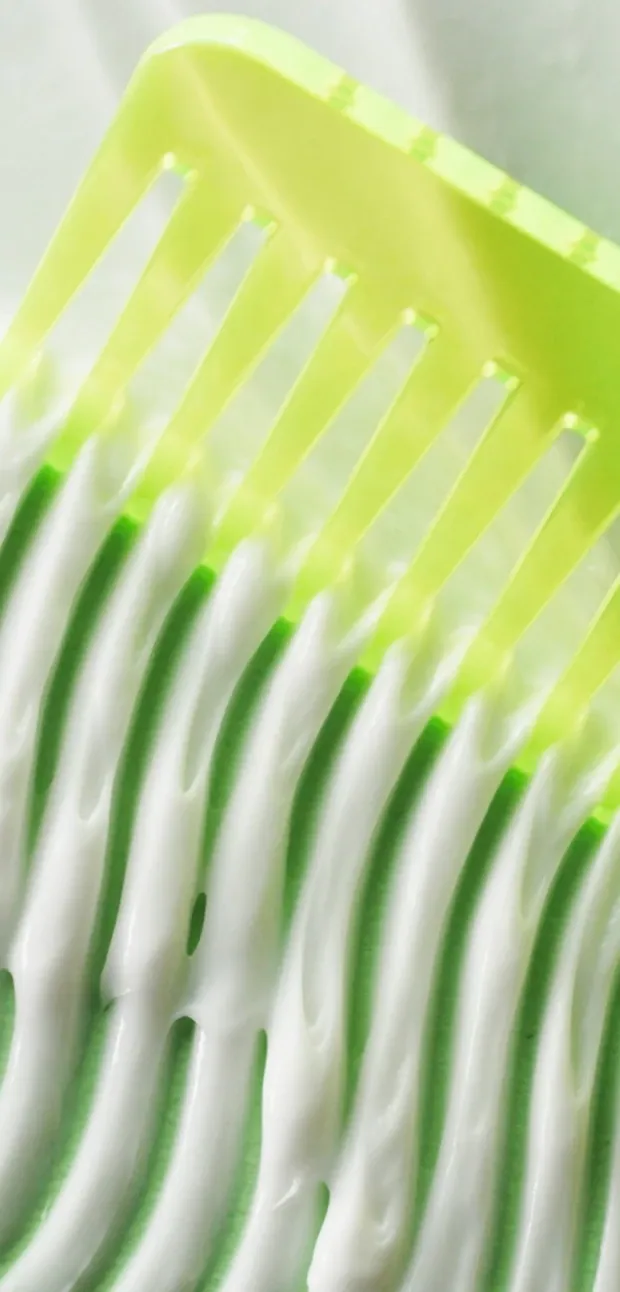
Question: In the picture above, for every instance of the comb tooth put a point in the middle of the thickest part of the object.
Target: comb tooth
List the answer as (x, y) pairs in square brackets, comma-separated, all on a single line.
[(201, 223), (591, 666), (440, 379), (508, 450), (113, 185), (272, 289), (348, 348), (583, 510)]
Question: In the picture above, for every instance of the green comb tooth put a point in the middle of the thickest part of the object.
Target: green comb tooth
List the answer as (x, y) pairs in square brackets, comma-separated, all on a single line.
[(518, 435), (589, 669), (204, 219), (440, 379), (361, 327), (584, 508), (122, 171), (272, 289)]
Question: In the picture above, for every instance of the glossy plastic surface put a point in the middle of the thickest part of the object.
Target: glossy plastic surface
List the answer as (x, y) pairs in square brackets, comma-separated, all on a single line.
[(424, 234)]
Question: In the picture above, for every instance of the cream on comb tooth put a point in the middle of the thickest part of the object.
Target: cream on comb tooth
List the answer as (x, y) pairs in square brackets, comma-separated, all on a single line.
[(362, 1243), (48, 958), (303, 1084), (146, 965), (563, 1086), (453, 1240), (32, 626), (235, 967)]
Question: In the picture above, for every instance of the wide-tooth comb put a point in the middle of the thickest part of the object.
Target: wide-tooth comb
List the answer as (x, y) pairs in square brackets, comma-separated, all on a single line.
[(419, 229)]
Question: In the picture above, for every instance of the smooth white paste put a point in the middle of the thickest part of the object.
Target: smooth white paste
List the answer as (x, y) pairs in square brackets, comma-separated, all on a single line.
[(452, 1243), (32, 626), (305, 1068), (22, 450), (606, 1277), (242, 980), (146, 965), (235, 967), (563, 1086), (49, 953), (363, 1240)]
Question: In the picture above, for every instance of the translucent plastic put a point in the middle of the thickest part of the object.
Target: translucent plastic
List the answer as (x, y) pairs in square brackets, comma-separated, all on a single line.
[(420, 230)]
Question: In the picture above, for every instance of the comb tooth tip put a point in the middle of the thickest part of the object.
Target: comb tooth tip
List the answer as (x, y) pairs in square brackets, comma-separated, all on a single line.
[(37, 388)]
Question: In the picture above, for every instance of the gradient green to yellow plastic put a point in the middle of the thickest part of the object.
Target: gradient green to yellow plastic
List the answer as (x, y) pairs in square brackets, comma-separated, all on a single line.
[(420, 229)]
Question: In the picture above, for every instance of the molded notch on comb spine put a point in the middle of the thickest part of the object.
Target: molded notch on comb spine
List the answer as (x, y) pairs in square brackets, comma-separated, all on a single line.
[(514, 441), (360, 329), (201, 223), (272, 289)]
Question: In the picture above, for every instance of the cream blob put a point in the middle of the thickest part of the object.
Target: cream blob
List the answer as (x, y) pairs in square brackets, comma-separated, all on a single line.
[(49, 954), (146, 965), (362, 1243)]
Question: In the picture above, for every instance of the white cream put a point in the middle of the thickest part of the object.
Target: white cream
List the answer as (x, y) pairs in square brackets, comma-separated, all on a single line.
[(146, 964), (452, 1243), (49, 955), (239, 981), (176, 1243), (31, 631), (362, 1243), (306, 1035), (22, 450), (235, 966), (236, 963), (563, 1087), (606, 1276)]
